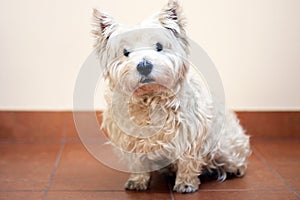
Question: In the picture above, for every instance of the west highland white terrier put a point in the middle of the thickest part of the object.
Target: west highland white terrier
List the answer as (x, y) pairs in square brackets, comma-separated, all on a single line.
[(149, 82)]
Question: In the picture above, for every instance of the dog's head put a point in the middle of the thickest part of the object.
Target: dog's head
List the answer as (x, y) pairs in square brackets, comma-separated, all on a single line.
[(151, 53)]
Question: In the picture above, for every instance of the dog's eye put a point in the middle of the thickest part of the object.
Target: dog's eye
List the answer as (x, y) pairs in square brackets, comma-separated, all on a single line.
[(126, 53), (159, 47)]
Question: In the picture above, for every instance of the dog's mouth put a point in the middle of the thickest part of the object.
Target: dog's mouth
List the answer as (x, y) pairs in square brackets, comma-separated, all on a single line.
[(147, 80), (148, 86)]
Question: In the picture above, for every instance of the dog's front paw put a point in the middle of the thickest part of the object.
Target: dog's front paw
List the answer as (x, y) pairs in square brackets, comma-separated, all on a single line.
[(185, 188), (136, 185), (186, 184), (138, 181)]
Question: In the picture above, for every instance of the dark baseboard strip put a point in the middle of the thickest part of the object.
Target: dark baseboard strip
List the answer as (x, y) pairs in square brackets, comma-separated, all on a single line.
[(52, 125)]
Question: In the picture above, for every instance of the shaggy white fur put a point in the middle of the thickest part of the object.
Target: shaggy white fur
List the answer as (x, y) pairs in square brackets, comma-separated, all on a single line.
[(149, 83)]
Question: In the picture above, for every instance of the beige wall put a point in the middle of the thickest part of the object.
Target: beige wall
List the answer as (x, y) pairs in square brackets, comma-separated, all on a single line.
[(255, 45)]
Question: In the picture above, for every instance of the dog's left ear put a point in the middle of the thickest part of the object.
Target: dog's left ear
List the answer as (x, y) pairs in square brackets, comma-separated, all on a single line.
[(171, 17)]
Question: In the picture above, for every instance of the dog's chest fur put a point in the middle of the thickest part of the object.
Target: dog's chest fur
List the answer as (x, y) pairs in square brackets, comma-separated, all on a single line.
[(140, 110)]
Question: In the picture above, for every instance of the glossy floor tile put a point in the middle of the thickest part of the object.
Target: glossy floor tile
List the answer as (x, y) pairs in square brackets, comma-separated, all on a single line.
[(78, 170), (67, 170), (257, 176), (283, 156), (243, 195), (26, 166), (108, 195), (21, 195)]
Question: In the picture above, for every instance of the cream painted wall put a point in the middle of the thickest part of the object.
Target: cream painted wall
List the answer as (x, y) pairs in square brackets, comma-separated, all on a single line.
[(255, 45)]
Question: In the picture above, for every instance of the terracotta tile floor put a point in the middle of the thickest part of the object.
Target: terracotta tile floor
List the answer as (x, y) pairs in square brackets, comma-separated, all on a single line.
[(61, 168), (65, 170)]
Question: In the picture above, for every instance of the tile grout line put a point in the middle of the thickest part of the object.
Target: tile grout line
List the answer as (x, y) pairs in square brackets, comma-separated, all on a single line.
[(262, 158), (59, 154), (62, 145)]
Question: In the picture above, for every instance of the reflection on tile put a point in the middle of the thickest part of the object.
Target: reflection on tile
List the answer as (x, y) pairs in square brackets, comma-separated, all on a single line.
[(78, 170), (284, 156), (258, 176), (21, 195), (245, 195), (124, 195)]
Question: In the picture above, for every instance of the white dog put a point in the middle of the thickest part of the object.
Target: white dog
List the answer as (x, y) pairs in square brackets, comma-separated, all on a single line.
[(147, 70)]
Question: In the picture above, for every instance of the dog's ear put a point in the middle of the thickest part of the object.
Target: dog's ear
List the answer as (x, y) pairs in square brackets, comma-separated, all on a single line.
[(104, 25), (171, 17)]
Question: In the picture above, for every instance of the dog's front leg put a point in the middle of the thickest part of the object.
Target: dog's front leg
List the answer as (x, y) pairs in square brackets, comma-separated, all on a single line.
[(138, 181), (187, 180)]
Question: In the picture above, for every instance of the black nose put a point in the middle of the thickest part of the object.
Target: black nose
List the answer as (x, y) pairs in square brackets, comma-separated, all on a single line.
[(144, 67)]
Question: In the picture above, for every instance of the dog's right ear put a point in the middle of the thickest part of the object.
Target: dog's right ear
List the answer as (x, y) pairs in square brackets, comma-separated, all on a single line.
[(171, 17), (104, 25)]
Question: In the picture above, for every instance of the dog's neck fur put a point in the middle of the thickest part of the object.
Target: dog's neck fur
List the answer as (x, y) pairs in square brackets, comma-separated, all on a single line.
[(140, 107)]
